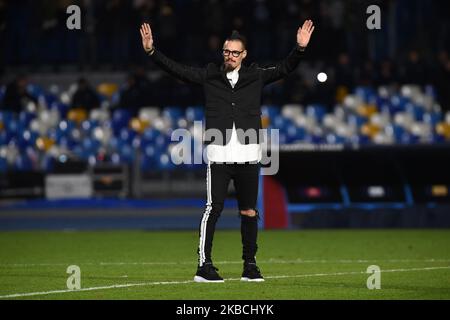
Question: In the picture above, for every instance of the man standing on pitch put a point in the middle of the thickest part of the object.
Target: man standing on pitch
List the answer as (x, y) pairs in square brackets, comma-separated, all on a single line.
[(232, 103)]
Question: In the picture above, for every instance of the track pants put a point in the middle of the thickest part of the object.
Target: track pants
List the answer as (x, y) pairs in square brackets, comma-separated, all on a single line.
[(245, 178)]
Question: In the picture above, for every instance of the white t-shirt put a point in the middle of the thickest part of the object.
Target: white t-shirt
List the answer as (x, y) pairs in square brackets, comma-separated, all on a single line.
[(234, 151)]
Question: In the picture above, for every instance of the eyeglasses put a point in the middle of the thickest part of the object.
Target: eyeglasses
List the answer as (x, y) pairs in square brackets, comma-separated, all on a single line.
[(234, 53)]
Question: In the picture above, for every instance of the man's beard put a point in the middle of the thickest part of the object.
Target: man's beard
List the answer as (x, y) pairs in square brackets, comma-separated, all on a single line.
[(228, 67)]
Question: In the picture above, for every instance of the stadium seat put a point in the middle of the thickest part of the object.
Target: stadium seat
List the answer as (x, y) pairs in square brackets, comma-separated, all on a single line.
[(316, 112), (88, 126), (280, 122), (417, 112), (23, 163), (172, 113), (120, 119), (3, 164), (27, 138), (107, 89), (90, 145), (127, 153), (356, 120), (432, 118), (4, 138), (366, 94), (195, 113), (25, 118), (127, 135), (270, 111), (35, 90), (290, 111), (165, 163), (332, 138), (398, 104), (100, 115), (149, 137), (148, 114), (294, 134)]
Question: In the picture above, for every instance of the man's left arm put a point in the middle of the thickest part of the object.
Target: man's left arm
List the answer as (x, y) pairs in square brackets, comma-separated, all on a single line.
[(286, 66)]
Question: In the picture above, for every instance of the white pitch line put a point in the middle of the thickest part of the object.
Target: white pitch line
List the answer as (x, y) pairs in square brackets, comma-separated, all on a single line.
[(274, 261), (127, 285)]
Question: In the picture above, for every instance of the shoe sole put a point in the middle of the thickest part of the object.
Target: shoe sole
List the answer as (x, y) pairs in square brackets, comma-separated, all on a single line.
[(252, 280), (201, 279)]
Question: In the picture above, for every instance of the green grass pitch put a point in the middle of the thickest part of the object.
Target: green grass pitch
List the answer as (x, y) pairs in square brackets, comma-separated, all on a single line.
[(322, 264)]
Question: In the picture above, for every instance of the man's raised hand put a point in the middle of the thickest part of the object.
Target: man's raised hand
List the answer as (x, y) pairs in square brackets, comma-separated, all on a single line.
[(304, 33), (147, 38)]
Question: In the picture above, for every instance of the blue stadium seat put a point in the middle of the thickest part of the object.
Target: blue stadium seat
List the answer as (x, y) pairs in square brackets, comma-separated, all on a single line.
[(165, 163), (90, 145), (398, 103), (67, 142), (162, 142), (35, 90), (356, 119), (149, 136), (3, 164), (48, 163), (27, 139), (127, 135), (398, 132), (360, 139), (6, 117), (25, 118), (4, 138), (282, 137), (62, 108), (173, 113), (367, 94), (66, 126), (115, 143), (415, 110), (50, 99), (280, 122), (270, 111), (120, 119), (23, 163), (333, 138), (316, 111), (430, 90), (126, 153), (88, 126), (152, 152), (294, 134), (432, 118), (195, 113)]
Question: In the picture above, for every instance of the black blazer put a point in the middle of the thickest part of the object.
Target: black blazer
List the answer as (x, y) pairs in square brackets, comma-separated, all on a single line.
[(225, 104)]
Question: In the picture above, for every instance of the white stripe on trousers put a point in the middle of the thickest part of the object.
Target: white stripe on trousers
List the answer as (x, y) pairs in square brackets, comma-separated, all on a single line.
[(205, 216)]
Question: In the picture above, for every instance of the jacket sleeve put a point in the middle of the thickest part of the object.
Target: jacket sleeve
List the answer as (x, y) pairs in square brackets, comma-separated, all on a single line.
[(178, 70), (283, 68)]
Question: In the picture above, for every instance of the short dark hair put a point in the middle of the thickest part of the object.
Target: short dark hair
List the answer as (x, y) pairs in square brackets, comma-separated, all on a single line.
[(236, 36)]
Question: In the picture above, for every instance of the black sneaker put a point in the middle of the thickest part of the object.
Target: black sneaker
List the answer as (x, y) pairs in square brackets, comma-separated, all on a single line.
[(207, 273), (251, 273)]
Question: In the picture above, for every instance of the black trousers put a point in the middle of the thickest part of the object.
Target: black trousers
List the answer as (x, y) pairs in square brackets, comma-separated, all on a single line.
[(245, 178)]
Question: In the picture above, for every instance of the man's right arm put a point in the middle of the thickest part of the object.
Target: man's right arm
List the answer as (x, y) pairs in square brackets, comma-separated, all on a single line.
[(179, 71)]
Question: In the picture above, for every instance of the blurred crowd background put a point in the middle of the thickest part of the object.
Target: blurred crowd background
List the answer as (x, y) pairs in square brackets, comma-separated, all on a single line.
[(411, 47), (93, 94)]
